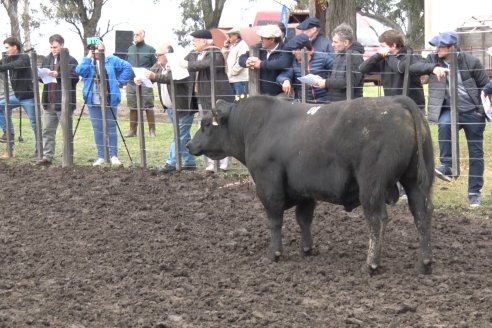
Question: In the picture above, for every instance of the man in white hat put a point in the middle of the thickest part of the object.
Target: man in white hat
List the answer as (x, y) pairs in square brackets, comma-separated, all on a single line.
[(233, 48), (273, 58)]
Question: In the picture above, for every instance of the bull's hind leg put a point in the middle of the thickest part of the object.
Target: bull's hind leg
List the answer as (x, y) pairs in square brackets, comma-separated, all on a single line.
[(304, 217), (421, 207), (373, 204)]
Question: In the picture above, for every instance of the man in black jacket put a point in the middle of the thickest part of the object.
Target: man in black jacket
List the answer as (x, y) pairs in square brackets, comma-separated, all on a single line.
[(472, 78), (185, 106), (52, 96), (19, 66)]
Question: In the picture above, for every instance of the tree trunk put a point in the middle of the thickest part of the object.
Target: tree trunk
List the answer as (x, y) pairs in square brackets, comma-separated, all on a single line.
[(341, 11), (11, 7), (25, 25)]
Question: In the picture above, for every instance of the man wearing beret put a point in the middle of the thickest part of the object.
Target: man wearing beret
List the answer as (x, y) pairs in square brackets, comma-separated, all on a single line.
[(198, 64), (472, 78), (311, 26), (271, 61)]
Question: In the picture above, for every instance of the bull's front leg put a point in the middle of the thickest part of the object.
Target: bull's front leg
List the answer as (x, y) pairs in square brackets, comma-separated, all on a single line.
[(276, 218), (304, 217)]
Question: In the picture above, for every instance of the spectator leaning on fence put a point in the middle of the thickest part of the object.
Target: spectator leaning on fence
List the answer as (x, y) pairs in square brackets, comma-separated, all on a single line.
[(234, 47), (318, 63), (18, 65), (198, 64), (272, 59), (390, 62), (52, 97), (336, 83), (118, 72), (311, 26), (185, 107), (140, 54), (472, 78)]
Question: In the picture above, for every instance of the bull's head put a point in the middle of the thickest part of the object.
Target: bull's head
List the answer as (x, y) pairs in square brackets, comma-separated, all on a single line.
[(212, 138)]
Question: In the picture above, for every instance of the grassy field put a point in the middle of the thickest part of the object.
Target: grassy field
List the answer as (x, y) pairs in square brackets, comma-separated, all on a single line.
[(445, 194)]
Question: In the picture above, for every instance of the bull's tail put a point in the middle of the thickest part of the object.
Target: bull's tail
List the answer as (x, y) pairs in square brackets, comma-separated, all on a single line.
[(422, 132)]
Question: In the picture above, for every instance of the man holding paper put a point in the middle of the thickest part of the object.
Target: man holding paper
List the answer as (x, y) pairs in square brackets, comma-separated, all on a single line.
[(52, 96)]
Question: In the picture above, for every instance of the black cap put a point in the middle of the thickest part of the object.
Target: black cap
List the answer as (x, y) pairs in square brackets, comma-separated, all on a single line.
[(308, 23), (202, 34)]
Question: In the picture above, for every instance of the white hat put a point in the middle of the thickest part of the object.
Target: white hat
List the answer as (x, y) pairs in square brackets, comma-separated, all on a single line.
[(269, 31)]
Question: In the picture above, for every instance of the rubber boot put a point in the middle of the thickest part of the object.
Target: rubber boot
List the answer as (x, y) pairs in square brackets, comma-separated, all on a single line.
[(151, 121), (133, 124)]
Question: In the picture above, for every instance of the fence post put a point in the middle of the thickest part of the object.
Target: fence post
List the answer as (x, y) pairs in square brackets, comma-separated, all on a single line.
[(304, 70), (8, 111), (37, 104), (66, 108), (177, 143), (104, 96), (349, 75), (406, 74), (254, 74), (453, 98), (213, 81)]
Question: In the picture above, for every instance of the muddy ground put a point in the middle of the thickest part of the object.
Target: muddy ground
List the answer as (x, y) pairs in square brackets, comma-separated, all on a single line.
[(85, 247)]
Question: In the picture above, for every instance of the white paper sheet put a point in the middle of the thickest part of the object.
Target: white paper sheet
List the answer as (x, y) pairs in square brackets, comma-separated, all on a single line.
[(310, 79), (487, 105), (43, 75), (179, 72), (140, 74)]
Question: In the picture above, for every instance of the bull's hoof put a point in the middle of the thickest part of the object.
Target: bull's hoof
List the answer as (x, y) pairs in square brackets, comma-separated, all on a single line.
[(276, 256), (425, 267), (309, 251), (372, 269)]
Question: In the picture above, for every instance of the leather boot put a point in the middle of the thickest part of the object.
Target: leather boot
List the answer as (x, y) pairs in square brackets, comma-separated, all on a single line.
[(151, 120), (133, 124)]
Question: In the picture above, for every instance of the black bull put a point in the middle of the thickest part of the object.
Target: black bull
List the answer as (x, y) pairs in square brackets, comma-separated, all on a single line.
[(350, 153)]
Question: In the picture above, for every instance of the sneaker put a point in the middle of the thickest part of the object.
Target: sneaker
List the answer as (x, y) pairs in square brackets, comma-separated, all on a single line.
[(5, 155), (474, 200), (98, 162), (115, 161), (189, 168), (3, 137), (167, 168), (443, 172), (43, 162), (131, 134)]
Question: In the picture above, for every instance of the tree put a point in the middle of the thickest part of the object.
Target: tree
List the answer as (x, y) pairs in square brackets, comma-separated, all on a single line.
[(12, 11), (84, 16), (196, 15)]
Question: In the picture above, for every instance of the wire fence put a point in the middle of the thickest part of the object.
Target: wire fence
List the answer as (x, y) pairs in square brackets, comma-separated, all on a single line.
[(156, 149)]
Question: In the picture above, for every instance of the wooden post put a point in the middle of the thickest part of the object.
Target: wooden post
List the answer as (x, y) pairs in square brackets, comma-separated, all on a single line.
[(141, 130), (349, 75), (406, 74), (104, 103), (254, 74), (37, 104), (213, 80), (8, 111), (453, 97), (304, 70), (66, 108), (177, 144)]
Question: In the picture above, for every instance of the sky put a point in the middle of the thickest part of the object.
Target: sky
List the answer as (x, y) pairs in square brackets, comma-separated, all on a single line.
[(157, 20)]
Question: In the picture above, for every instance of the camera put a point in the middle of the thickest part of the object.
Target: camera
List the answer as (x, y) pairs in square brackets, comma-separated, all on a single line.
[(93, 42)]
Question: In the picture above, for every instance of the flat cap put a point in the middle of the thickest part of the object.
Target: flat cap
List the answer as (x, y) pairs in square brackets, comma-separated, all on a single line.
[(308, 23), (299, 42), (234, 31), (269, 31), (202, 34), (444, 39)]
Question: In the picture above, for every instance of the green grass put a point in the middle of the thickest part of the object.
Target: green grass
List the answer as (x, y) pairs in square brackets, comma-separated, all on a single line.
[(445, 194)]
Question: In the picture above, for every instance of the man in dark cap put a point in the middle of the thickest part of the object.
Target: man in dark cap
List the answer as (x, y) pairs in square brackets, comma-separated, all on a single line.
[(319, 63), (311, 26), (198, 64), (472, 78)]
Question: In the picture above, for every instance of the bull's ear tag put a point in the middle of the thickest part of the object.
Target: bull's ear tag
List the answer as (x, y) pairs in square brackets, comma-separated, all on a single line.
[(313, 110)]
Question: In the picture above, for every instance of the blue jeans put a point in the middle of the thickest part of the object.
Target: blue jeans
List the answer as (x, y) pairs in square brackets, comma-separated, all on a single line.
[(473, 123), (184, 125), (97, 125), (240, 87), (26, 104)]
